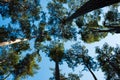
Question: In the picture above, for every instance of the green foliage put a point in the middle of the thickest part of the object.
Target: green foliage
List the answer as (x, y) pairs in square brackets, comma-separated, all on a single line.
[(57, 52), (78, 55), (93, 24), (52, 27), (54, 8), (22, 13), (12, 63), (22, 10), (3, 34), (111, 16), (108, 58), (59, 30), (26, 66), (21, 46), (8, 60), (80, 21), (88, 36), (69, 33), (71, 76)]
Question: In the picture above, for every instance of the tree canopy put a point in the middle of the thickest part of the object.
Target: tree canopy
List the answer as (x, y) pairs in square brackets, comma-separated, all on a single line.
[(108, 57), (30, 29)]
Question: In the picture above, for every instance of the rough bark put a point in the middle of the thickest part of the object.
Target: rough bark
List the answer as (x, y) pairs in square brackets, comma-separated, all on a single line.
[(90, 6)]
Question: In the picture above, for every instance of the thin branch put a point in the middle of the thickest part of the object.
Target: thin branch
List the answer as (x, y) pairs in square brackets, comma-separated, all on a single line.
[(6, 76)]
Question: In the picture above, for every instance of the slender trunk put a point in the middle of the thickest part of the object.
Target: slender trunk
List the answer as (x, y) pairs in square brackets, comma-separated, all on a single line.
[(57, 72), (90, 6), (95, 78)]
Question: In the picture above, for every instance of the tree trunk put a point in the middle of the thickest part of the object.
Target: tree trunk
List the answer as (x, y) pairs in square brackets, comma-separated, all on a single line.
[(108, 30), (11, 42), (57, 72), (90, 6), (95, 78)]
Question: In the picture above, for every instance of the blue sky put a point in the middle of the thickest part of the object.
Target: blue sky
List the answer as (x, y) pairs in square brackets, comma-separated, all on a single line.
[(45, 73)]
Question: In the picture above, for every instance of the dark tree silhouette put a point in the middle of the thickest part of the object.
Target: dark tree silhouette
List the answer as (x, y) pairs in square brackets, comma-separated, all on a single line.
[(88, 33), (108, 58), (90, 6), (78, 55), (58, 30), (56, 53)]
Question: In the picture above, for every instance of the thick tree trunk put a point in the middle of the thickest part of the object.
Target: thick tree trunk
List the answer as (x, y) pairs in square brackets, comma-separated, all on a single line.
[(95, 78), (57, 72), (90, 6)]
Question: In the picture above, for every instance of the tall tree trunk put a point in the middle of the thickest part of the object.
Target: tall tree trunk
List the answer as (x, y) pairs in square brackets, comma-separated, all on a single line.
[(90, 6), (95, 78), (57, 72)]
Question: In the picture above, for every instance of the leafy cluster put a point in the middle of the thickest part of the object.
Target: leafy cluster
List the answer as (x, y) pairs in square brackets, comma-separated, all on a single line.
[(108, 57)]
